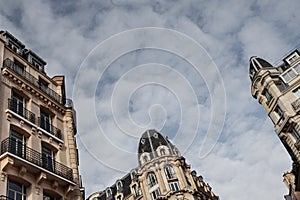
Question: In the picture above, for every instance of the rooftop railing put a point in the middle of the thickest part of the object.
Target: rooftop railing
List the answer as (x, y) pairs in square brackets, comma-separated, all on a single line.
[(7, 63), (19, 149)]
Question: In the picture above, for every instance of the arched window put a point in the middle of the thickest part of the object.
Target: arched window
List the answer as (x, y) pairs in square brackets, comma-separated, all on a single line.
[(151, 179), (145, 158), (169, 171), (162, 152), (108, 192), (133, 174), (119, 185)]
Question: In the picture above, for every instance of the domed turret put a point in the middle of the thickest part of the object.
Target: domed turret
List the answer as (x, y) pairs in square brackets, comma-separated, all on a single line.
[(153, 144), (256, 64)]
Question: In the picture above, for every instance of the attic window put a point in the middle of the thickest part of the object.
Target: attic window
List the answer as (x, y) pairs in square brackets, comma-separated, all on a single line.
[(294, 56)]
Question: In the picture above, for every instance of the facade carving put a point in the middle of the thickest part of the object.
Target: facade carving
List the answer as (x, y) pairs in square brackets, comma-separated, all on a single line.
[(277, 89), (162, 174), (38, 158)]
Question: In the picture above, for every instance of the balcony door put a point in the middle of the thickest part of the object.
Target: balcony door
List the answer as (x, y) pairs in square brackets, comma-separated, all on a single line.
[(17, 104), (16, 191), (47, 158), (45, 121), (17, 144)]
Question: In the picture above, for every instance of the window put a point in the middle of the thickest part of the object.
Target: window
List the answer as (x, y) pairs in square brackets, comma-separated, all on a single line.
[(267, 95), (295, 134), (108, 192), (289, 75), (296, 92), (45, 121), (18, 67), (155, 194), (145, 158), (119, 185), (17, 104), (162, 152), (278, 112), (43, 85), (49, 197), (119, 197), (17, 144), (16, 191), (174, 186), (47, 158), (151, 179), (169, 171), (280, 85), (136, 190)]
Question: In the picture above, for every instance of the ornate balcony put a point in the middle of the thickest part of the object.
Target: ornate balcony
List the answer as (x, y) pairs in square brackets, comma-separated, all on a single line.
[(17, 148), (9, 64), (20, 110), (49, 128)]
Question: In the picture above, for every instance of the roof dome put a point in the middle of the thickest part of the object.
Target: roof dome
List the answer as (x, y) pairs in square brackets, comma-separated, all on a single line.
[(152, 140), (256, 64)]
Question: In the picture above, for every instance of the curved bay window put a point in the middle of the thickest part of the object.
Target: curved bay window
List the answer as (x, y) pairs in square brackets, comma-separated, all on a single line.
[(151, 180)]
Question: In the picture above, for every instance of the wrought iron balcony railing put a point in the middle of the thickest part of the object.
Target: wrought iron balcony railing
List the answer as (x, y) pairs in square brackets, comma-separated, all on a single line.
[(19, 149), (49, 128), (18, 108), (7, 63)]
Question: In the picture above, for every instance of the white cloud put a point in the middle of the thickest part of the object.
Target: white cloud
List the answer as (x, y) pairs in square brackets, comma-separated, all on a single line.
[(248, 157)]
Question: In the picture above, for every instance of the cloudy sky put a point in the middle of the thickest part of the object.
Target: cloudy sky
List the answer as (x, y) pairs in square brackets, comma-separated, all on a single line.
[(180, 67)]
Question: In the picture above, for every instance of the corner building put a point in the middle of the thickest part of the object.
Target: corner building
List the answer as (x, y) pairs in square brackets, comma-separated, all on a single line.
[(277, 89), (39, 157), (162, 174)]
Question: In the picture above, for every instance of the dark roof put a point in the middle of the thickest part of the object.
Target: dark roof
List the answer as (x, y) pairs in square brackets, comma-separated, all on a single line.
[(150, 140)]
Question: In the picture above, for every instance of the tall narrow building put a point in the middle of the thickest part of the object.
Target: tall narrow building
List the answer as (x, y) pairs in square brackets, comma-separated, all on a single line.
[(162, 174), (277, 89), (39, 157)]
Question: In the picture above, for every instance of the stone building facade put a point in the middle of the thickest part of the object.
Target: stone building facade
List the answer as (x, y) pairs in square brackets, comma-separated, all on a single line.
[(277, 89), (162, 174), (39, 157)]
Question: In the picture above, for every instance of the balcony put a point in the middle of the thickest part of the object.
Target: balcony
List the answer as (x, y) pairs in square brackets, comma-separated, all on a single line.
[(20, 110), (17, 148), (9, 64), (30, 116), (49, 128)]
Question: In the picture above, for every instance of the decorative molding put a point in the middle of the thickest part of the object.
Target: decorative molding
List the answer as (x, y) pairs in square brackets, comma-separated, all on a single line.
[(8, 116), (3, 176), (22, 171), (54, 185), (40, 178)]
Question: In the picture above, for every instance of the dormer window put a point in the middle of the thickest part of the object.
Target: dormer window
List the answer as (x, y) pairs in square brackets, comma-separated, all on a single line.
[(294, 56), (108, 192), (119, 185)]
